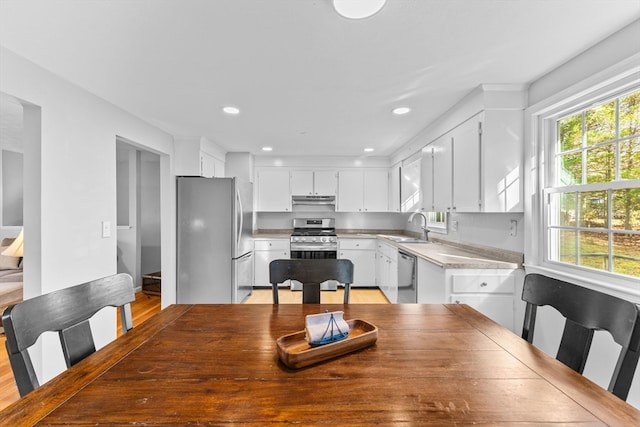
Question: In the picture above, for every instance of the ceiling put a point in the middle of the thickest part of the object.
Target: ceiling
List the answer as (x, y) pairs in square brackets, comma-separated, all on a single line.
[(307, 81)]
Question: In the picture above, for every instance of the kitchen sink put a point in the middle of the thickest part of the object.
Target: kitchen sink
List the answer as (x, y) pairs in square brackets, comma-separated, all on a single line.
[(406, 239)]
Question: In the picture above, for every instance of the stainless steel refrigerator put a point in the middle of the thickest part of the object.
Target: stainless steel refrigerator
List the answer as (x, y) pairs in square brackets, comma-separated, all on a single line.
[(215, 240)]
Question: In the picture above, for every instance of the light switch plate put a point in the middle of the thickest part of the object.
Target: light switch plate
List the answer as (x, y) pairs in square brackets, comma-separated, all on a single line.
[(106, 228)]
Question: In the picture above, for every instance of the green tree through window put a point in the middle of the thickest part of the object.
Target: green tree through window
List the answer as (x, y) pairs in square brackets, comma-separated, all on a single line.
[(594, 215)]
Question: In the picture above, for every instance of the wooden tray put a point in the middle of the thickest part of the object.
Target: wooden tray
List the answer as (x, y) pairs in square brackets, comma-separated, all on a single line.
[(295, 352)]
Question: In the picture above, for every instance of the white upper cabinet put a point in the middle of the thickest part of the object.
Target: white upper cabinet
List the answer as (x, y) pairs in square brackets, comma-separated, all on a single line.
[(426, 178), (302, 183), (465, 143), (191, 159), (410, 191), (476, 166), (325, 183), (273, 194), (314, 183), (350, 191), (502, 160), (394, 189), (363, 190), (442, 173), (376, 190)]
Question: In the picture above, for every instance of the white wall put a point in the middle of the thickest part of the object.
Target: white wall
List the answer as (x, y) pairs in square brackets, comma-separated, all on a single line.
[(486, 229), (344, 220), (70, 186)]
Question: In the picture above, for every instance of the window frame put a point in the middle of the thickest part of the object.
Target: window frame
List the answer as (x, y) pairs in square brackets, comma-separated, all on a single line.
[(540, 162), (553, 186)]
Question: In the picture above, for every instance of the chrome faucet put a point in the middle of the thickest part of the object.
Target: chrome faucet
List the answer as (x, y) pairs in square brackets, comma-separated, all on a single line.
[(424, 227)]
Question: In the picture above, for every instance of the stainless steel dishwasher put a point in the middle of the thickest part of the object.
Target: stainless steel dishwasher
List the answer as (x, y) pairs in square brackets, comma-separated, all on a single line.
[(407, 289)]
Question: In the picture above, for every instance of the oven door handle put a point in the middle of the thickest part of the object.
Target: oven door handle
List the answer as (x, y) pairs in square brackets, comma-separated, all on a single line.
[(314, 248)]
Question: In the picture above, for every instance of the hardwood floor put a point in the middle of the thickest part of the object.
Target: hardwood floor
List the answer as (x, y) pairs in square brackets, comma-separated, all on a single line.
[(146, 306), (356, 296)]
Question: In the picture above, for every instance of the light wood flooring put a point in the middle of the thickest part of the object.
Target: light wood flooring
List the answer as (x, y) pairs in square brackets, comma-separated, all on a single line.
[(146, 306), (286, 296)]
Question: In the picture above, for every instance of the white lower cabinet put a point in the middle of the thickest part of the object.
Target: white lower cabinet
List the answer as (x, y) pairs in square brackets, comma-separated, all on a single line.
[(362, 253), (493, 292), (387, 270), (264, 252)]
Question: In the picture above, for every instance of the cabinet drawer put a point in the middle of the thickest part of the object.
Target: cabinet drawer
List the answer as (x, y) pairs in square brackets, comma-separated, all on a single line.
[(268, 245), (387, 250), (483, 283), (361, 244)]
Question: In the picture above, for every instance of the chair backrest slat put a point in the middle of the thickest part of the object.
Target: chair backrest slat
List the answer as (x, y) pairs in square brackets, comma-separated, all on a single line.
[(67, 312), (586, 310), (311, 271)]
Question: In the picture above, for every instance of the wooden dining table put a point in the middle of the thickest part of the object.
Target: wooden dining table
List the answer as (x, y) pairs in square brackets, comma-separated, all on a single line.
[(218, 364)]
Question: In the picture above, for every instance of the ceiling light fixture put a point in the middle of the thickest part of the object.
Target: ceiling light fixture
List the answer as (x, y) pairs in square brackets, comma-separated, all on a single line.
[(358, 9), (267, 148), (231, 110), (399, 111), (368, 150)]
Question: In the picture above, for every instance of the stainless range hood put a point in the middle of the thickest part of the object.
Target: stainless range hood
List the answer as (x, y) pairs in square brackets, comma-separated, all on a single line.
[(313, 200)]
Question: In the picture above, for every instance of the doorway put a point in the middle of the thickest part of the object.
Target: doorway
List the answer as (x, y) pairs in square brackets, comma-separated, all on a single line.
[(138, 213)]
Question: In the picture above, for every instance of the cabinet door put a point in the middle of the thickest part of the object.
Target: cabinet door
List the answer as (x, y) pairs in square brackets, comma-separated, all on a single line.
[(376, 191), (273, 191), (301, 183), (261, 260), (207, 165), (499, 308), (382, 271), (432, 287), (393, 280), (426, 177), (466, 167), (410, 192), (442, 174), (325, 183), (394, 189), (502, 171), (350, 190), (364, 266)]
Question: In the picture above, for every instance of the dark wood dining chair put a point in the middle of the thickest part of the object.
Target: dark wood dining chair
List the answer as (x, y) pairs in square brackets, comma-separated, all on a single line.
[(311, 272), (586, 311), (66, 311)]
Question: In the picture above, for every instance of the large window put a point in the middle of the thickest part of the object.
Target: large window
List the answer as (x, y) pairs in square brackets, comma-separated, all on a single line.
[(593, 189)]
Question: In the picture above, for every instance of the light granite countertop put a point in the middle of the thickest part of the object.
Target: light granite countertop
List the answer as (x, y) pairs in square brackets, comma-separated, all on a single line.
[(442, 252)]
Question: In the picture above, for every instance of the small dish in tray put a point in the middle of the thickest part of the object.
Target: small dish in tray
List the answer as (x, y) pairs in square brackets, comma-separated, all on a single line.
[(295, 351)]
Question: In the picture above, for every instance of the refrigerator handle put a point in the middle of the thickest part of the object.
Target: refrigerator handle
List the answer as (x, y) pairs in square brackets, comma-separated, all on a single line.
[(241, 219)]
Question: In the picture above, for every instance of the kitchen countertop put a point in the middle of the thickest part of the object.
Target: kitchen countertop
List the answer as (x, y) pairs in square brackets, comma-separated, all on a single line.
[(442, 252)]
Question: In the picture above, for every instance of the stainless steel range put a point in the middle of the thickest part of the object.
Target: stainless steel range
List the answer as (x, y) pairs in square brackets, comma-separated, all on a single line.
[(314, 238)]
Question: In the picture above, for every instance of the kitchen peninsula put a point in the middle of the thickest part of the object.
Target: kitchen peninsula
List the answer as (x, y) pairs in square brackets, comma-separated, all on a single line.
[(447, 271)]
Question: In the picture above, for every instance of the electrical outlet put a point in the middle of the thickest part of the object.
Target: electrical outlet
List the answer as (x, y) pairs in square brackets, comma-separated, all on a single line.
[(106, 228), (454, 225), (513, 227)]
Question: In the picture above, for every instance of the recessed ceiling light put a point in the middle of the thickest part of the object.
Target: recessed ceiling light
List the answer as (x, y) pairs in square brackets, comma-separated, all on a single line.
[(399, 111), (231, 110), (358, 9), (368, 150), (267, 148)]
